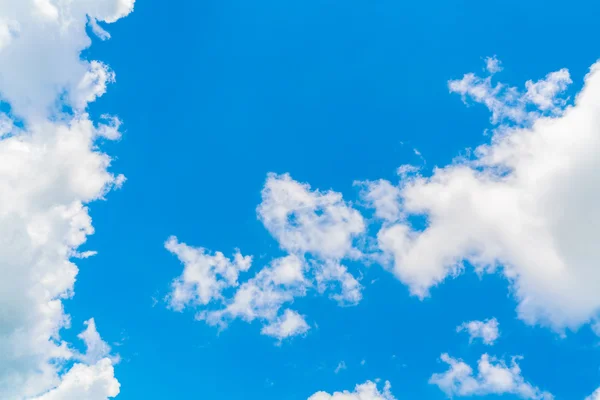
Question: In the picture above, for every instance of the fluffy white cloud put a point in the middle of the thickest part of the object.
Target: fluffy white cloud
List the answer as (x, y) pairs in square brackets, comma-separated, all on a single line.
[(331, 274), (384, 198), (493, 65), (544, 92), (493, 377), (507, 102), (50, 168), (524, 204), (97, 348), (365, 391), (289, 324), (47, 174), (263, 295), (318, 225), (318, 231), (40, 44), (260, 297), (89, 382), (93, 377), (204, 276), (486, 330), (306, 221)]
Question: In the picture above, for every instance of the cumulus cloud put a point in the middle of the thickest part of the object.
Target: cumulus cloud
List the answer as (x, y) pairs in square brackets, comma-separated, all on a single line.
[(89, 382), (486, 330), (263, 296), (204, 276), (50, 169), (384, 197), (289, 324), (307, 221), (543, 93), (97, 348), (524, 204), (317, 230), (493, 65), (92, 378), (48, 173), (332, 274), (40, 44), (365, 391), (509, 103), (493, 377)]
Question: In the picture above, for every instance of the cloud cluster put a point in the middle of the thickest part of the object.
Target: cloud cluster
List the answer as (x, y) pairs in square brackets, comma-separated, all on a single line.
[(93, 377), (493, 377), (205, 276), (40, 46), (50, 168), (486, 330), (317, 230), (509, 103), (82, 381), (524, 204), (365, 391)]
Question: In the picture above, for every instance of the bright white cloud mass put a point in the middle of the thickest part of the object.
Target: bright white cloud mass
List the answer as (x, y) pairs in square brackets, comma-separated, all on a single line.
[(493, 377), (525, 204), (486, 330), (50, 168), (365, 391), (317, 229)]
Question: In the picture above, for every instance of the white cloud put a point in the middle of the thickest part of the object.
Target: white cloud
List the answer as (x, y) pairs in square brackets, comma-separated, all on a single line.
[(96, 348), (92, 85), (384, 198), (524, 205), (365, 391), (318, 231), (486, 330), (331, 274), (504, 102), (507, 102), (262, 296), (8, 30), (93, 377), (305, 221), (493, 377), (318, 224), (289, 324), (89, 382), (47, 174), (50, 168), (543, 92), (204, 276), (493, 65), (40, 43), (6, 125)]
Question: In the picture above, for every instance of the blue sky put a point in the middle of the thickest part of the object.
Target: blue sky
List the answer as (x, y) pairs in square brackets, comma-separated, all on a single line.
[(214, 96)]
